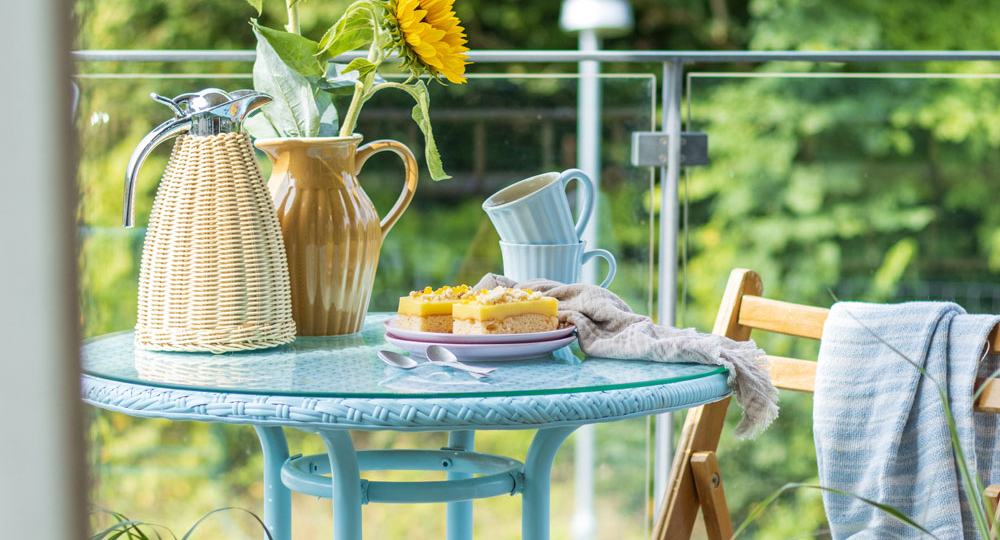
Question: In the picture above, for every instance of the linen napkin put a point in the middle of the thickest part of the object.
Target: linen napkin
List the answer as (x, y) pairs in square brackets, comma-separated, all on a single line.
[(608, 328), (880, 427)]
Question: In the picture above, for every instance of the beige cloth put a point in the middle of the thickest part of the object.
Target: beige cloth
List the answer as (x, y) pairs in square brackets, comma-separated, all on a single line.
[(608, 328)]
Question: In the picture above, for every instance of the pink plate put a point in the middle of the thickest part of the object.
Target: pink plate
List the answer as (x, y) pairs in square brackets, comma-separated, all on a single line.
[(485, 351), (439, 338)]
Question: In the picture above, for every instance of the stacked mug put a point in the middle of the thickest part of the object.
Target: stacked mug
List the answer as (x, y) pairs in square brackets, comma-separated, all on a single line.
[(538, 238)]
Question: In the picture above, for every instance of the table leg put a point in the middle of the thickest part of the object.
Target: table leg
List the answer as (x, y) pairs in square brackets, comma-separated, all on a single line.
[(537, 470), (277, 497), (460, 513), (346, 484)]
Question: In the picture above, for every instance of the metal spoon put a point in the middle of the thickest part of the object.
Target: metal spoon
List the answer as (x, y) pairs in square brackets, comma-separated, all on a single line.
[(397, 360), (405, 362), (440, 355)]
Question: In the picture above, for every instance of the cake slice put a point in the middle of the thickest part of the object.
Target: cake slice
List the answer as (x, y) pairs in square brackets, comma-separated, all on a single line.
[(429, 310), (505, 311)]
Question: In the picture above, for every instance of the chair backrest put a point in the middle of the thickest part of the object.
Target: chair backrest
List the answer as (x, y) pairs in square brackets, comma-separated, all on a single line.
[(695, 479), (757, 312)]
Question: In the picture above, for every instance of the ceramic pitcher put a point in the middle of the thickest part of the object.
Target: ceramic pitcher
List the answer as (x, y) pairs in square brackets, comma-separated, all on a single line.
[(332, 231)]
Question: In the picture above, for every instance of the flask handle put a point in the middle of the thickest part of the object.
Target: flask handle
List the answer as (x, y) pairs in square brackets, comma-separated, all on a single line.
[(163, 132)]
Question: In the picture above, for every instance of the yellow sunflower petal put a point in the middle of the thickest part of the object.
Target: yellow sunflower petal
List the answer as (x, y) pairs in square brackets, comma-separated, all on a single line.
[(432, 35), (404, 10)]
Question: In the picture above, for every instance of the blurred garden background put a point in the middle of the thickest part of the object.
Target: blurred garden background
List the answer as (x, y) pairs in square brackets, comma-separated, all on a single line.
[(870, 181)]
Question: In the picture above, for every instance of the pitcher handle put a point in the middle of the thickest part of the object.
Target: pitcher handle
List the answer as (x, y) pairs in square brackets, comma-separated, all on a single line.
[(410, 185)]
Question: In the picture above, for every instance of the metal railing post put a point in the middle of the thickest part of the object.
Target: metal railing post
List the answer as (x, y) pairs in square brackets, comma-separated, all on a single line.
[(588, 150), (673, 80)]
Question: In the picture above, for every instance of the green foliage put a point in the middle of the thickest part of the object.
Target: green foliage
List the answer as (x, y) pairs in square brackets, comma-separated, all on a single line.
[(889, 510), (352, 31), (296, 52), (257, 4), (421, 115), (127, 529), (292, 69), (294, 112)]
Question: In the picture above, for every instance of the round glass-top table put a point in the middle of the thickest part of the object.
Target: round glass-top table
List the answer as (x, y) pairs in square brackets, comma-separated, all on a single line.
[(330, 385)]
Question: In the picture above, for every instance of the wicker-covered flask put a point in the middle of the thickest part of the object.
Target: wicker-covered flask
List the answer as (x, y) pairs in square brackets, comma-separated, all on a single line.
[(213, 275)]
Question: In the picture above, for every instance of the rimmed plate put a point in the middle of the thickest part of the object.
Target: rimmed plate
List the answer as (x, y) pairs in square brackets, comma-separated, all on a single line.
[(485, 351), (437, 337)]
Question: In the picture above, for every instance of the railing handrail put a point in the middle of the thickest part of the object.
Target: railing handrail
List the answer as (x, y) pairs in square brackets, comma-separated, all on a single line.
[(557, 56)]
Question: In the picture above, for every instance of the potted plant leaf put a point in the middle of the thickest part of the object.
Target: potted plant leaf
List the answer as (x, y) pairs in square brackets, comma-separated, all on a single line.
[(331, 230)]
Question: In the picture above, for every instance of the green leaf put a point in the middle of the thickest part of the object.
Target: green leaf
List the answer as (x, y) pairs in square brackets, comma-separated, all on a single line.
[(340, 86), (296, 51), (351, 31), (130, 528), (260, 127), (226, 509), (421, 115), (363, 67), (293, 112), (257, 4), (329, 123), (891, 511), (341, 78)]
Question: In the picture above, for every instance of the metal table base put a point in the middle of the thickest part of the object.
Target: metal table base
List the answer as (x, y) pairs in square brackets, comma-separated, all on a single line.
[(498, 476)]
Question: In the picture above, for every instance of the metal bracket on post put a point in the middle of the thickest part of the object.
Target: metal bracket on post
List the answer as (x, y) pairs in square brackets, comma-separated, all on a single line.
[(649, 148)]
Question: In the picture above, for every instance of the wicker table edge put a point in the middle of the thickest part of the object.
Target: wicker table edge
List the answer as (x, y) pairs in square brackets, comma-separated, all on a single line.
[(403, 413)]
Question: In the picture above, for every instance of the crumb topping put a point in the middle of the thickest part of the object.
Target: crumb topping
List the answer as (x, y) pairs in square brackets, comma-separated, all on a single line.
[(443, 294), (500, 295)]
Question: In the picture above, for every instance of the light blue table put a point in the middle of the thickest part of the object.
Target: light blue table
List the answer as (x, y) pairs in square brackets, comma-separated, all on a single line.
[(331, 385)]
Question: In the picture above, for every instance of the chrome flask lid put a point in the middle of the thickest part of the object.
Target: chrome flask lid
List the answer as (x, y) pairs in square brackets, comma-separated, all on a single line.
[(209, 112)]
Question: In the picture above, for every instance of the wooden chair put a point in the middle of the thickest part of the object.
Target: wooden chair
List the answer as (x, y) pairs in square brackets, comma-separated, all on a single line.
[(695, 480)]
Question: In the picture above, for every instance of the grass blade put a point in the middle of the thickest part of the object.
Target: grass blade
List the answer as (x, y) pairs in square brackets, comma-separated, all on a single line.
[(206, 516), (884, 508)]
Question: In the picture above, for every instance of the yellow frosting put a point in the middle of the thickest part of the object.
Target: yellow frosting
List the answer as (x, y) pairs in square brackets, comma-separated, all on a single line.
[(500, 303), (432, 302)]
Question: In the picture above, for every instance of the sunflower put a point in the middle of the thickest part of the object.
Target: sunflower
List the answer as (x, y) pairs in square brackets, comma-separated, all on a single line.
[(429, 38)]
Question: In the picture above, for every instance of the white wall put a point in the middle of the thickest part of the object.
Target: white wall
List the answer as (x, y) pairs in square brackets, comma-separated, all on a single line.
[(41, 445)]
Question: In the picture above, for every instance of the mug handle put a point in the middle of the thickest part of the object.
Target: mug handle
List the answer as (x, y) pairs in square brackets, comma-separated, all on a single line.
[(588, 196), (411, 171), (606, 255)]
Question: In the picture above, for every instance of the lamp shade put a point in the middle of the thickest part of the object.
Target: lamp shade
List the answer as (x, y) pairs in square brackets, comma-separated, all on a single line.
[(606, 17)]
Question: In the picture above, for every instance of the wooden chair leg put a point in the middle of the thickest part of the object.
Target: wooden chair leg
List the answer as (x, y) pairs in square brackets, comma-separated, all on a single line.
[(703, 426), (992, 496), (708, 483), (677, 513)]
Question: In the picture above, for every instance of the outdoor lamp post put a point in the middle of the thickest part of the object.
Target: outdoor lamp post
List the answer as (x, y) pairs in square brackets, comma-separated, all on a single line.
[(592, 20)]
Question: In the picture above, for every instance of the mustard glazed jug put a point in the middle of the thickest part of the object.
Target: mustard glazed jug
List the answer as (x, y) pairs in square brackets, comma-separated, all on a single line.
[(333, 234), (213, 275)]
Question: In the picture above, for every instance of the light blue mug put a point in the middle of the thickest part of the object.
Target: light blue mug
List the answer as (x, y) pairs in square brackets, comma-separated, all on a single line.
[(536, 210), (558, 262)]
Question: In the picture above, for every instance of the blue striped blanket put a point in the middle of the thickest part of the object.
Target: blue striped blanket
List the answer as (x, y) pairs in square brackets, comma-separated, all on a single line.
[(879, 425)]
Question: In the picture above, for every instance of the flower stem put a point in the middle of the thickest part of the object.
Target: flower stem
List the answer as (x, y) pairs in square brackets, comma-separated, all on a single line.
[(361, 90), (293, 17), (351, 118)]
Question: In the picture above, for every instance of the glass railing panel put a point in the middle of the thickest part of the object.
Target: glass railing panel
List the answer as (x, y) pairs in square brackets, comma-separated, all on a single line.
[(491, 132), (867, 187)]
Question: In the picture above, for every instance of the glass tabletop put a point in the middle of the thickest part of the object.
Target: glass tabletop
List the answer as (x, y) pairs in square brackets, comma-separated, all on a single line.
[(347, 366)]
